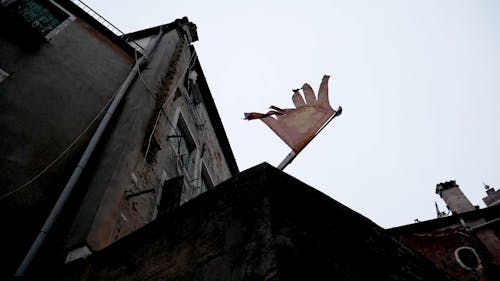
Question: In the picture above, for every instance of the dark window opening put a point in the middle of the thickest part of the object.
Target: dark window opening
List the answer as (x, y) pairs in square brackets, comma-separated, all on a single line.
[(27, 22), (171, 195), (468, 257), (206, 181), (40, 15)]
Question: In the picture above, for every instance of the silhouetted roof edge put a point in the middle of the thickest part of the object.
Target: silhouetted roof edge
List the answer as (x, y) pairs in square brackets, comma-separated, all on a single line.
[(493, 211), (169, 26), (215, 118), (80, 13), (272, 223)]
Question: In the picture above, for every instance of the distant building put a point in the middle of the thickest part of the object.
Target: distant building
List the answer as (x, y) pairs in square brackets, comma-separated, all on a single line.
[(62, 67), (492, 197), (465, 244)]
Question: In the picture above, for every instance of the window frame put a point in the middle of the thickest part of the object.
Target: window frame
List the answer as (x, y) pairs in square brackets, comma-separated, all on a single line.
[(185, 137), (205, 177), (57, 12), (181, 129), (63, 24)]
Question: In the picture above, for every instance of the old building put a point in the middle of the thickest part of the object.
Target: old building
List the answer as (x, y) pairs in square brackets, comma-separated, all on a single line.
[(123, 126), (107, 140), (260, 225), (465, 244)]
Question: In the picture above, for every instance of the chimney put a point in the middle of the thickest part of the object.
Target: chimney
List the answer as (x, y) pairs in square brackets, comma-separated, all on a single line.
[(454, 197), (187, 28), (492, 198)]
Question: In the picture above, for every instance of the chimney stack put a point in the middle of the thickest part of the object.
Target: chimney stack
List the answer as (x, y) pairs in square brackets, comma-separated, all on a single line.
[(455, 199), (493, 197)]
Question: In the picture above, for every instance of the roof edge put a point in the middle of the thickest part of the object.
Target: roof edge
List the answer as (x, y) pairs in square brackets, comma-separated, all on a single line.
[(445, 220), (188, 28), (75, 9), (215, 118)]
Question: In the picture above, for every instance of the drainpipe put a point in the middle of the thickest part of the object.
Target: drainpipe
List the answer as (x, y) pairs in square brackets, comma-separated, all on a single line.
[(477, 244), (61, 201)]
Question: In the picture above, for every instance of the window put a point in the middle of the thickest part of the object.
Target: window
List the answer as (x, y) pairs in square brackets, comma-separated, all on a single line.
[(170, 195), (184, 144), (206, 180), (193, 99), (467, 258), (194, 95), (41, 16)]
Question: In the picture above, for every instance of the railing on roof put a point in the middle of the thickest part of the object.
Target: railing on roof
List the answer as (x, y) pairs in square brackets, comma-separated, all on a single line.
[(107, 24)]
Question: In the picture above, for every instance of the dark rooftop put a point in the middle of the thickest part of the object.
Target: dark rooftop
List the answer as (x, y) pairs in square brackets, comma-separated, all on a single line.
[(259, 225)]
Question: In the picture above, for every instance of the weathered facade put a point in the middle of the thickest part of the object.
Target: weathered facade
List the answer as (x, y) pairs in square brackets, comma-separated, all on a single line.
[(62, 70), (466, 244), (260, 225), (125, 128)]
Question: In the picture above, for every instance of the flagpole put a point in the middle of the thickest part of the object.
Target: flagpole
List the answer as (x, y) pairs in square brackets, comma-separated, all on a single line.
[(289, 158)]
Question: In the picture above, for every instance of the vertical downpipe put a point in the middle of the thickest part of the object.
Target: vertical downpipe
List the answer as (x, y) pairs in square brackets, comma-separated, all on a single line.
[(68, 188)]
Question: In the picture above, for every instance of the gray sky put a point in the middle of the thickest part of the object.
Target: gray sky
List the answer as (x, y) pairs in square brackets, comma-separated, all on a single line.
[(418, 81)]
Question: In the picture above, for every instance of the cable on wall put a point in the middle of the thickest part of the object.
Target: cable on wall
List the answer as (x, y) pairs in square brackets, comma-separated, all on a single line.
[(44, 170)]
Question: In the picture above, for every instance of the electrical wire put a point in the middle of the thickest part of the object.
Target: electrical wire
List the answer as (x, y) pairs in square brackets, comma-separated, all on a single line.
[(44, 170), (77, 138), (25, 185)]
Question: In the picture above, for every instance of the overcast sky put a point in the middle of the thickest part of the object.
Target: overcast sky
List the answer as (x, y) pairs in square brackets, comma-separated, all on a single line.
[(418, 81)]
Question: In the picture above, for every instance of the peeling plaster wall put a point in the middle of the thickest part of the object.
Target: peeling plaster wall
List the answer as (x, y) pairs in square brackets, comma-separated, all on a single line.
[(54, 89), (124, 187), (52, 93)]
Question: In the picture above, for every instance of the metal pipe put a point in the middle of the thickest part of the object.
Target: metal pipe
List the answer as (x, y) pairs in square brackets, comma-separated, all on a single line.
[(288, 159), (140, 193), (485, 224), (68, 188)]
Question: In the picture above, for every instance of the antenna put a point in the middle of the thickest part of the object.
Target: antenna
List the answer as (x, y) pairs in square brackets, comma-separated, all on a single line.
[(438, 212)]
